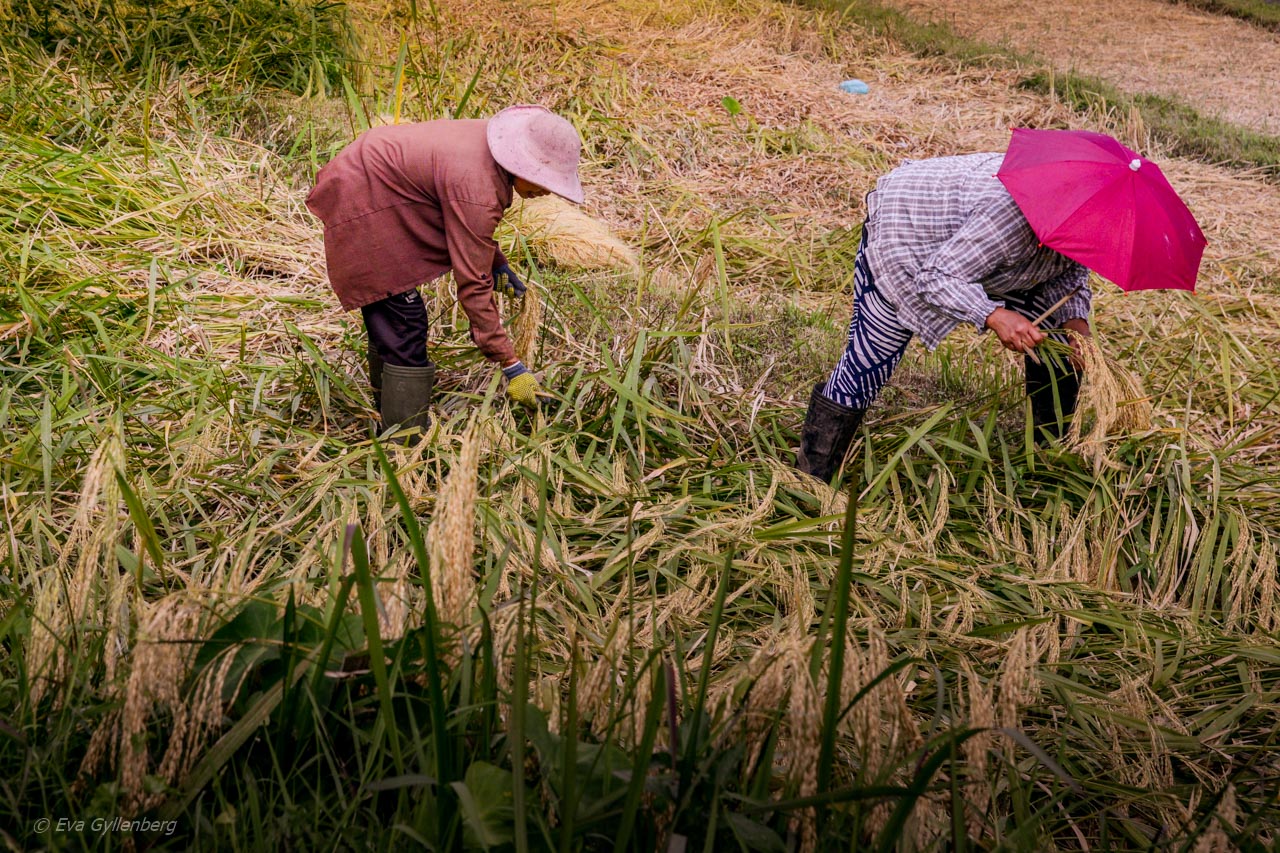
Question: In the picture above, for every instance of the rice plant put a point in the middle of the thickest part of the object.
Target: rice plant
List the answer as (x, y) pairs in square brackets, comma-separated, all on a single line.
[(232, 617)]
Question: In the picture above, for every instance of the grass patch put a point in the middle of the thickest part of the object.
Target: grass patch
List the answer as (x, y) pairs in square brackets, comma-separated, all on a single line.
[(1264, 13), (1178, 127), (925, 38)]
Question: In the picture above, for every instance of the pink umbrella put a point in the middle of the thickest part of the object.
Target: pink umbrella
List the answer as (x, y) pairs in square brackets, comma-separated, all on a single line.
[(1092, 199)]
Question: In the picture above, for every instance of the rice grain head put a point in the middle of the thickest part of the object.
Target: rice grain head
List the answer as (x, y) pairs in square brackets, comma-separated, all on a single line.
[(768, 678), (504, 622), (980, 708), (1265, 571), (880, 724), (1019, 683), (102, 751), (80, 585), (528, 323), (804, 727), (403, 597), (161, 660), (1140, 762), (600, 687), (1113, 396), (452, 533), (1252, 568), (193, 723), (797, 592), (1224, 826)]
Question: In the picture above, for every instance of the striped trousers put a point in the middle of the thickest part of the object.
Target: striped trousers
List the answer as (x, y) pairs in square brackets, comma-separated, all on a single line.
[(877, 340)]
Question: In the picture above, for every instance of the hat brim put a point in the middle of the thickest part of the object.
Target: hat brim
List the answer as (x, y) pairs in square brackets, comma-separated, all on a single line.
[(504, 133)]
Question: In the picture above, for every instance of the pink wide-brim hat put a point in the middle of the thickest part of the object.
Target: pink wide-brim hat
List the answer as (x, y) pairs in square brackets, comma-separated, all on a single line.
[(533, 143)]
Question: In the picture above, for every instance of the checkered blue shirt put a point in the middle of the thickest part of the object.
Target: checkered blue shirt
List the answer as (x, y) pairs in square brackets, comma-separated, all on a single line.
[(946, 240)]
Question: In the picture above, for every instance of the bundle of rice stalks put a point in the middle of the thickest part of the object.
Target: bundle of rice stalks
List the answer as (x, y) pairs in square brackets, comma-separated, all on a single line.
[(570, 238), (528, 323), (1113, 398)]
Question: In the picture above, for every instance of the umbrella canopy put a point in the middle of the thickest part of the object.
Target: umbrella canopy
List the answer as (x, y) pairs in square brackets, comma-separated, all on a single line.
[(1092, 199)]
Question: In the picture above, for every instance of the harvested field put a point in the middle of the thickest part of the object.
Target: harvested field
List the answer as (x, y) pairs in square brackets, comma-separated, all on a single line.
[(1224, 67), (625, 622)]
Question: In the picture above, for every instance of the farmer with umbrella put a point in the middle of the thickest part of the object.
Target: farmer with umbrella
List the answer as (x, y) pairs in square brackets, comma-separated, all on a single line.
[(404, 204), (1001, 242)]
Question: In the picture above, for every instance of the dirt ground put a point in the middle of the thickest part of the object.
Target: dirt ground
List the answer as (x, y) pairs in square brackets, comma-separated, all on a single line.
[(1221, 66)]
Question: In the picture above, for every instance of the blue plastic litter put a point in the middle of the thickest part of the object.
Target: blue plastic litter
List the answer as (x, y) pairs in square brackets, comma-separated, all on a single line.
[(854, 87)]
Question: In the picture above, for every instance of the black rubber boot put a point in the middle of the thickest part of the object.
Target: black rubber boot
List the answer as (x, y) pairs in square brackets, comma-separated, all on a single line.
[(375, 377), (828, 431), (406, 396), (1053, 391)]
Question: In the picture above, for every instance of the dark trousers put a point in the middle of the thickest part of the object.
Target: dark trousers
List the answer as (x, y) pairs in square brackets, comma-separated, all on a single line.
[(397, 328), (1052, 387)]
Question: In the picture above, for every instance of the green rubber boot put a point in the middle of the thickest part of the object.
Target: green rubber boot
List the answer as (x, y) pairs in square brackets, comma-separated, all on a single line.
[(406, 396)]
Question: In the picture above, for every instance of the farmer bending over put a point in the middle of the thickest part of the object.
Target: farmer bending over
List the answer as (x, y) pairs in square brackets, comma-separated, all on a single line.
[(944, 243), (404, 204)]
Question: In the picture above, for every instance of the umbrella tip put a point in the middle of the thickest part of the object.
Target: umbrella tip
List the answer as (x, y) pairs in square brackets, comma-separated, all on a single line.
[(1135, 164)]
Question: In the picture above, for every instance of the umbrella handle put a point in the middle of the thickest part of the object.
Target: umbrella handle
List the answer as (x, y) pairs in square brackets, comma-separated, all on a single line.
[(1055, 306)]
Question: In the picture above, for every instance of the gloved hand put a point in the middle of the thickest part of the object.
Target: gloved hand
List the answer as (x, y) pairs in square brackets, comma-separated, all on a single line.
[(523, 386), (506, 282)]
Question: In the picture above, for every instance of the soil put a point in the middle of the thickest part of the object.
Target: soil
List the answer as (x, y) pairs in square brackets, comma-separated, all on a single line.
[(1222, 66)]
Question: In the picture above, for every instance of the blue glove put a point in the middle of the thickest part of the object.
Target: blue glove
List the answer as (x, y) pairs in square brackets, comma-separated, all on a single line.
[(512, 286)]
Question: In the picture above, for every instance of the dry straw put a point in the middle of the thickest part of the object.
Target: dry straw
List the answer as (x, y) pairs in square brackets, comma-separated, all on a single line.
[(569, 237), (678, 63)]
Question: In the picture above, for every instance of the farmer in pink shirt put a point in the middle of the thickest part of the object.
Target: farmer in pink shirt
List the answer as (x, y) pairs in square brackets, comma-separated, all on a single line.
[(405, 204)]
